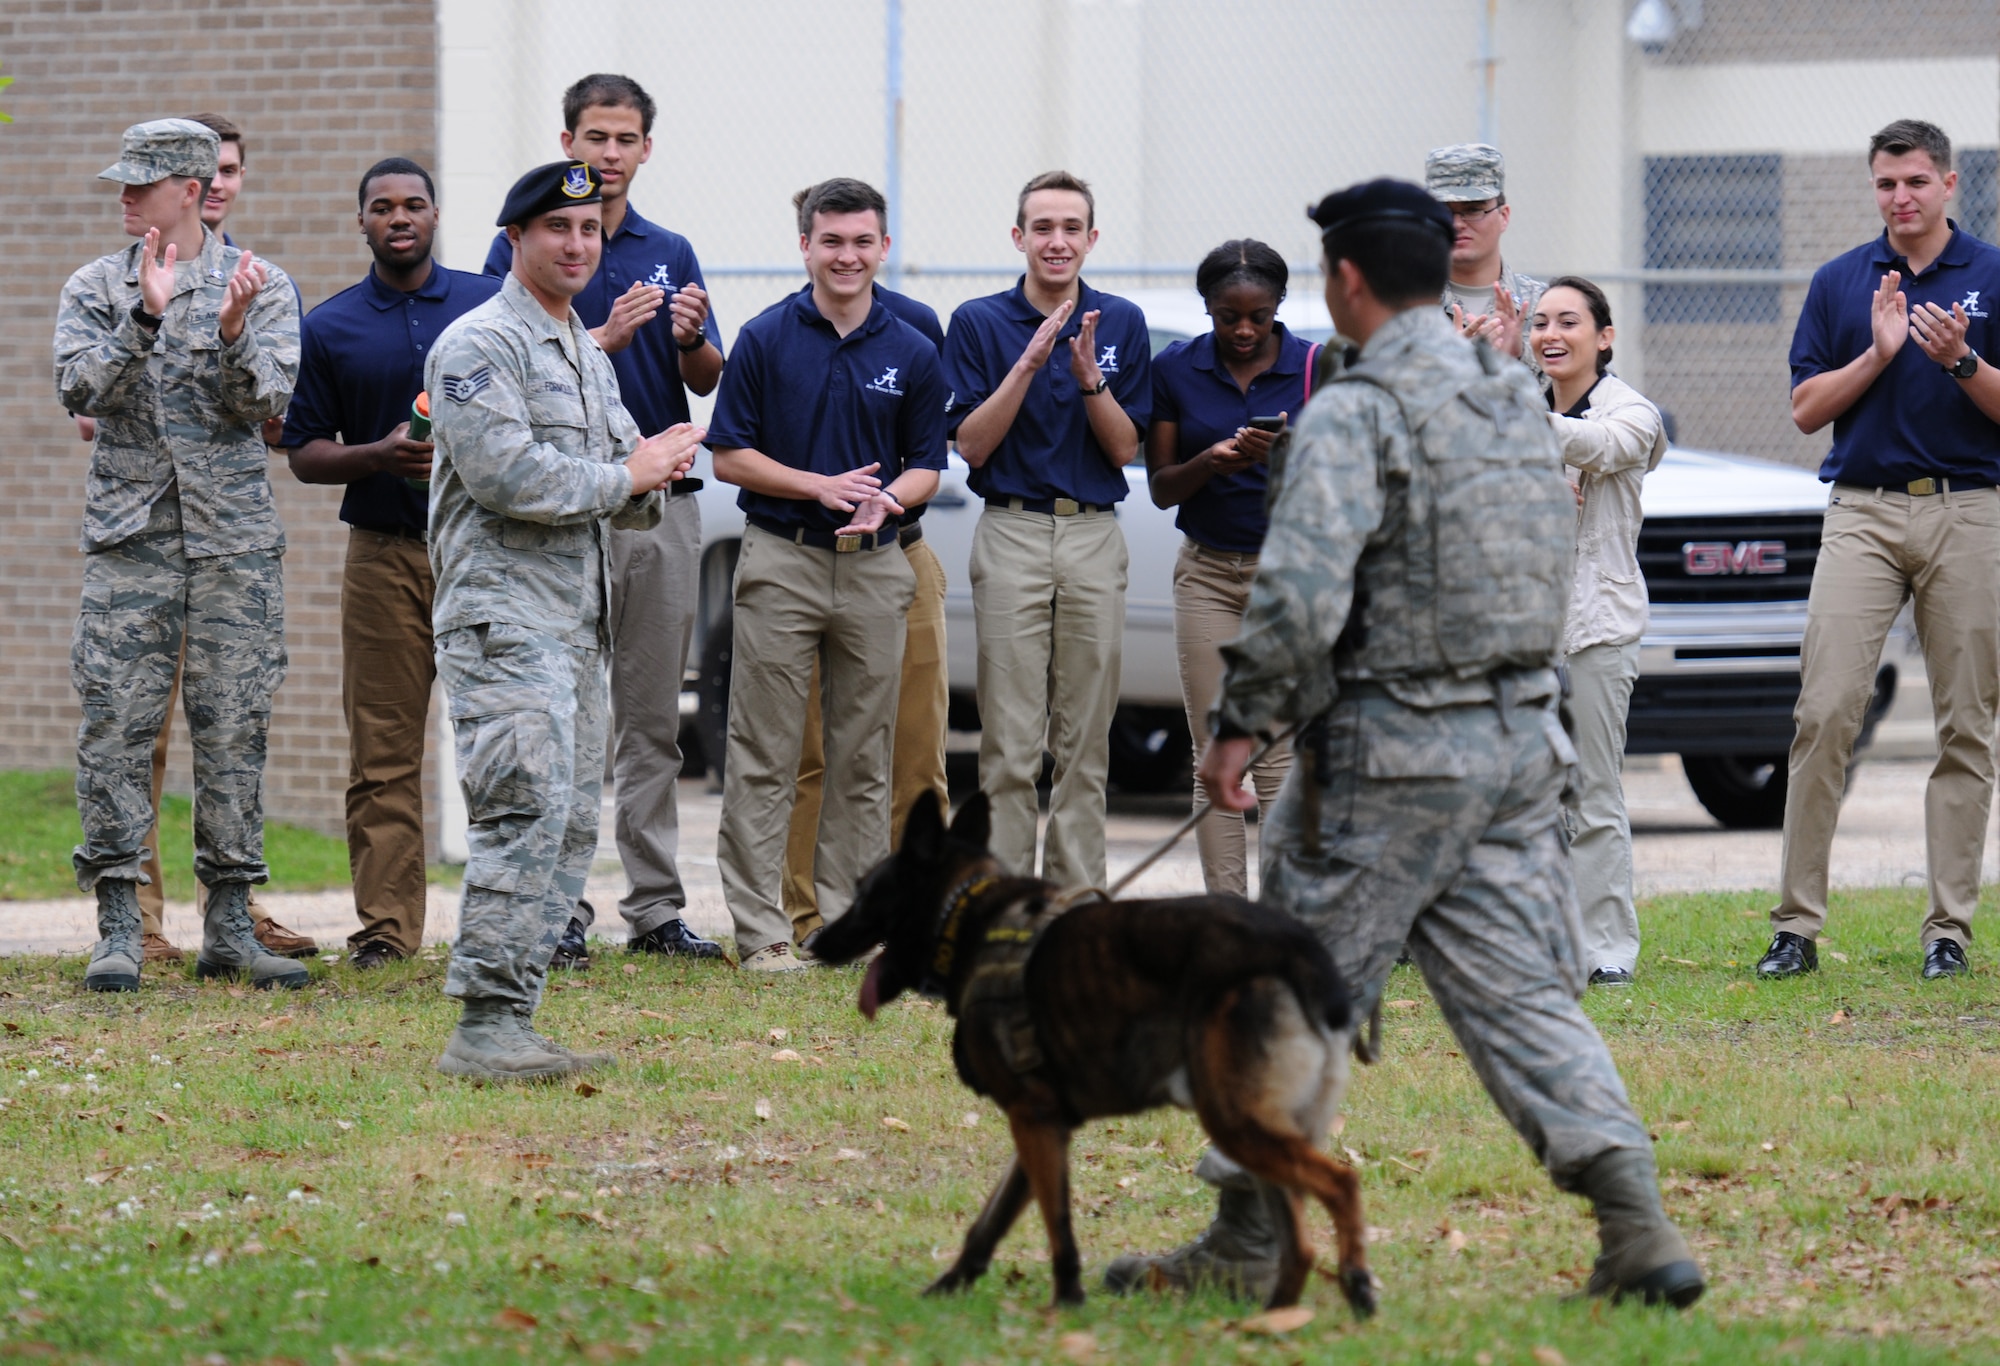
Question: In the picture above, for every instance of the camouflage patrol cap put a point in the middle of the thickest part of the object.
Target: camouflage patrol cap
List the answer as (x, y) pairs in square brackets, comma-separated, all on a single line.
[(160, 148), (1465, 173), (557, 185)]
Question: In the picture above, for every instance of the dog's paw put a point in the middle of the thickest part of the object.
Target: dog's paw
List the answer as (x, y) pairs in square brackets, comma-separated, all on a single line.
[(1359, 1288), (1069, 1298), (950, 1283)]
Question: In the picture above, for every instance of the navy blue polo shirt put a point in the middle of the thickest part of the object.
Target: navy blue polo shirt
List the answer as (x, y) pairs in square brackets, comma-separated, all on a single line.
[(361, 366), (649, 371), (797, 391), (1195, 390), (925, 319), (1050, 451), (1914, 421)]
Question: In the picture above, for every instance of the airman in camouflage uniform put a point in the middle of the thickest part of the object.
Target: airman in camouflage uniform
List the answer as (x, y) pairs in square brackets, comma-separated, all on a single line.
[(181, 542), (1474, 174), (530, 466), (1407, 610)]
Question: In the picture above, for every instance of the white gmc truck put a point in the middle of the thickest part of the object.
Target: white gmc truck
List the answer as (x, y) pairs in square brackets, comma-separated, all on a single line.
[(1727, 548)]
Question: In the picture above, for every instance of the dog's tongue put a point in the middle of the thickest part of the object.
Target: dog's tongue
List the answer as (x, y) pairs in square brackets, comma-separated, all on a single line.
[(871, 988)]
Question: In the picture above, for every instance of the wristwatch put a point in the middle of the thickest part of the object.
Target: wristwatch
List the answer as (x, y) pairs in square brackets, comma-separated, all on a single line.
[(1102, 385), (689, 348), (145, 319), (1966, 368)]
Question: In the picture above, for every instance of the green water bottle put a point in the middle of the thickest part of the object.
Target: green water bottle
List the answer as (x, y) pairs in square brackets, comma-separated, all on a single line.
[(420, 430)]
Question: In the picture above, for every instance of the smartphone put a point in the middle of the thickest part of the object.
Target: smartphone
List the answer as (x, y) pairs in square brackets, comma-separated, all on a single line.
[(1268, 424)]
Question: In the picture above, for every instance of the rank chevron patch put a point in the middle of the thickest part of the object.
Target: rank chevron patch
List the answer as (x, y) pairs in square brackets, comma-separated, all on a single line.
[(463, 388)]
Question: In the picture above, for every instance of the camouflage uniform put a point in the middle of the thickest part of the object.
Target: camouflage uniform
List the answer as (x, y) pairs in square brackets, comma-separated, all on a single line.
[(181, 540), (1430, 815), (1467, 173), (530, 436)]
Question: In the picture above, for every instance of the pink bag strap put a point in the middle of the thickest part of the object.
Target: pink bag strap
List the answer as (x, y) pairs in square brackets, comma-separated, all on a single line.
[(1312, 364)]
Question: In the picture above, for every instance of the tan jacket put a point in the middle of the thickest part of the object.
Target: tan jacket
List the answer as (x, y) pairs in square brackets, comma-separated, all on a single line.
[(1612, 445)]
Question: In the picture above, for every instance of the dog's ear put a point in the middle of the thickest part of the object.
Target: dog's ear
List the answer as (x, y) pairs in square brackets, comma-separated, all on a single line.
[(923, 833), (974, 823)]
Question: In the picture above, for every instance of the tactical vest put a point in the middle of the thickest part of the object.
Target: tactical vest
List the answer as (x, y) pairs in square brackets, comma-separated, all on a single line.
[(1476, 576)]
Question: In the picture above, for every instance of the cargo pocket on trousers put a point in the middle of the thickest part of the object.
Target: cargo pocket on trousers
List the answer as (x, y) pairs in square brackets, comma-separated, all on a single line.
[(1401, 745), (506, 749)]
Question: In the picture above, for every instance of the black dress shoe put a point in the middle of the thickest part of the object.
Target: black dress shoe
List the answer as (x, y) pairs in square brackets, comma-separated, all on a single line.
[(373, 954), (1789, 955), (676, 940), (572, 954), (1611, 977), (1944, 958)]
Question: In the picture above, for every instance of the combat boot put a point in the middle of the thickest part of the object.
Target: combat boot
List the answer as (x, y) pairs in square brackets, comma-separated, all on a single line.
[(585, 1062), (491, 1044), (1237, 1253), (120, 951), (229, 946), (1644, 1257)]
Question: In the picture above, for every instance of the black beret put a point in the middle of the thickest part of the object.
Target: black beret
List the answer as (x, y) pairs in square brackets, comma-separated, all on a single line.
[(558, 185), (1380, 199)]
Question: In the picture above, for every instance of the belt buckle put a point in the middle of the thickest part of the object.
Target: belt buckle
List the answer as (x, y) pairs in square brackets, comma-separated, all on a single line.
[(1067, 507), (1923, 488), (843, 544)]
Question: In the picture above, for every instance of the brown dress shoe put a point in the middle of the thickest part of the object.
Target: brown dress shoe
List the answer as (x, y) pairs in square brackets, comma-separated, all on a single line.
[(160, 950), (277, 939)]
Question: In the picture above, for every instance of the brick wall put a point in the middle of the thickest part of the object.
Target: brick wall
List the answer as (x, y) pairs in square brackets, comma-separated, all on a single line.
[(322, 89)]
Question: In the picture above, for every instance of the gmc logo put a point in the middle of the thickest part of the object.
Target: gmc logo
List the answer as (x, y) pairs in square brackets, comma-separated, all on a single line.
[(1703, 558)]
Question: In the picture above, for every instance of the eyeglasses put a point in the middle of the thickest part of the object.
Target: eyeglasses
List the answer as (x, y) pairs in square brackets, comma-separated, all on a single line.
[(1472, 211)]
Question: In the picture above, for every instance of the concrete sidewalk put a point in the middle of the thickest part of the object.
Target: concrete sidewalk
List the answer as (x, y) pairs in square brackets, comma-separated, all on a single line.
[(1677, 847)]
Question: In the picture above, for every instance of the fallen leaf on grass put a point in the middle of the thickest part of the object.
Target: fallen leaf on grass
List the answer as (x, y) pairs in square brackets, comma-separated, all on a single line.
[(780, 1035), (710, 1250), (533, 1159), (261, 1155), (1078, 1346), (786, 1055), (762, 1108), (969, 1120), (10, 1026), (630, 969), (160, 1115), (511, 1317), (99, 1178), (1401, 1005), (1455, 1240), (1277, 1322), (586, 1090), (587, 1216), (1547, 1356), (848, 1155), (1838, 1017), (274, 1022), (1686, 963), (653, 1015), (1836, 955), (891, 1122), (12, 1241)]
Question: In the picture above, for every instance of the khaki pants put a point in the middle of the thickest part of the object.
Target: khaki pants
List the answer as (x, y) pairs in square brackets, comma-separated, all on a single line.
[(796, 606), (153, 892), (1880, 548), (654, 590), (1211, 588), (1048, 603), (916, 762), (387, 666), (1600, 844)]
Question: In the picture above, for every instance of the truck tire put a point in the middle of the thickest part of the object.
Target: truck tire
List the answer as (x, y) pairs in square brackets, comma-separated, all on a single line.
[(1744, 792), (711, 721), (1150, 749)]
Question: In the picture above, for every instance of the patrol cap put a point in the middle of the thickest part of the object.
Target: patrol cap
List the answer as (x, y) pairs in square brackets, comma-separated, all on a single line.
[(1466, 172), (558, 185), (1379, 199), (150, 152)]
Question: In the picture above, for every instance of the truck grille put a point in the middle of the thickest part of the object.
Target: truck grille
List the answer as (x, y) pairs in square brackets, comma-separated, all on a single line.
[(1729, 559), (1712, 714)]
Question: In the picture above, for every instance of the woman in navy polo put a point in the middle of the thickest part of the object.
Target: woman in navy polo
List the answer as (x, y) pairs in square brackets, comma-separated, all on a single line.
[(1204, 457)]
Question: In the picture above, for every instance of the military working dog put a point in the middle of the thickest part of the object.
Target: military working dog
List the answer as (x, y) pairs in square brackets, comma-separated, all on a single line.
[(1071, 1008)]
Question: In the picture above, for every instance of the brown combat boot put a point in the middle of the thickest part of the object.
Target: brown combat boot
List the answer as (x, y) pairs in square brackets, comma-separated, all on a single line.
[(286, 944), (159, 949)]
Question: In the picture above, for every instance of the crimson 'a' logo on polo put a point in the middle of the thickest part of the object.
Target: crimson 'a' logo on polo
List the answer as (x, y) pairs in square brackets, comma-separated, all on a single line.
[(1705, 558)]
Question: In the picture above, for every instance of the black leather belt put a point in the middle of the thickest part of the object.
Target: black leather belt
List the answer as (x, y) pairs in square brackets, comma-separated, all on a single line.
[(1923, 488), (1054, 507), (397, 533), (824, 540), (910, 535)]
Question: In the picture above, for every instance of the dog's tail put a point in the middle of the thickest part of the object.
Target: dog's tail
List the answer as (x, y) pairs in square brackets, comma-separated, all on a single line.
[(1284, 948)]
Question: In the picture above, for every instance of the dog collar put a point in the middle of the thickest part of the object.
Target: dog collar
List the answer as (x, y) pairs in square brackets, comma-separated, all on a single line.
[(962, 896)]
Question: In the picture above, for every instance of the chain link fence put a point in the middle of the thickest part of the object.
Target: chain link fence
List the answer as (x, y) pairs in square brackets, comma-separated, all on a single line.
[(1700, 159)]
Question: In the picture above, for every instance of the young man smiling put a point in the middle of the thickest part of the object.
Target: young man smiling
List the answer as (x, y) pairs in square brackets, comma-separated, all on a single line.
[(831, 420), (349, 423), (1051, 389), (534, 456), (647, 308), (1894, 349)]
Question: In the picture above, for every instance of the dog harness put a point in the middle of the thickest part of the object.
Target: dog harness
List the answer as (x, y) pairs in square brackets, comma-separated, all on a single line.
[(998, 982)]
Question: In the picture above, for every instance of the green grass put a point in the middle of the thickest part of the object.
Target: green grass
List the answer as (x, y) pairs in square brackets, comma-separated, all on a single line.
[(39, 830), (260, 1178)]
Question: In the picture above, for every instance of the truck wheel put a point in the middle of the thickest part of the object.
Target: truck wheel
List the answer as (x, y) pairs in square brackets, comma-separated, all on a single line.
[(1150, 749), (1744, 792), (711, 722)]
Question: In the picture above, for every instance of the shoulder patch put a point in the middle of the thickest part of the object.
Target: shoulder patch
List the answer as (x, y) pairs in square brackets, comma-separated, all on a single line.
[(464, 388)]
